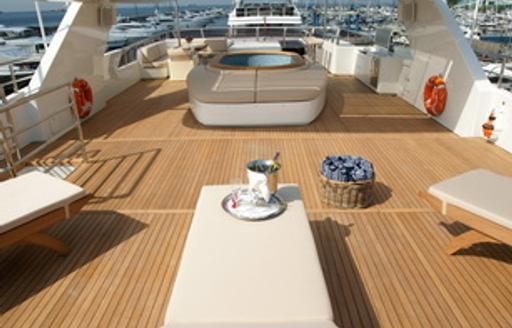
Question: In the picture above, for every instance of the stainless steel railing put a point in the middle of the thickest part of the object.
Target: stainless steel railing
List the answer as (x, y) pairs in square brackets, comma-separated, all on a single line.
[(129, 52), (12, 157), (15, 81)]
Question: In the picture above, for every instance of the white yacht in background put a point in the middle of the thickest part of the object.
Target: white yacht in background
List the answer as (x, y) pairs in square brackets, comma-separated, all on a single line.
[(132, 31), (15, 32), (265, 13), (162, 19)]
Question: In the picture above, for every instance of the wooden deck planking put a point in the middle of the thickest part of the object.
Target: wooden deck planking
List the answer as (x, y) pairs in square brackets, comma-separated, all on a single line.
[(384, 266)]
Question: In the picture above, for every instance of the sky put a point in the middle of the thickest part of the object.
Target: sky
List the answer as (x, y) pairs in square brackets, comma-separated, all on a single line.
[(28, 5)]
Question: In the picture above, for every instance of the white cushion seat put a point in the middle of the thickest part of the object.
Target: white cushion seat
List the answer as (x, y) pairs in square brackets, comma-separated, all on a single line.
[(300, 84), (480, 192), (215, 86), (235, 273), (224, 97), (32, 195), (155, 59), (309, 324)]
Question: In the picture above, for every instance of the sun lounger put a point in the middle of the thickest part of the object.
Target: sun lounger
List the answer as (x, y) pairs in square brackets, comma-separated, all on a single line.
[(481, 200), (243, 274), (33, 202)]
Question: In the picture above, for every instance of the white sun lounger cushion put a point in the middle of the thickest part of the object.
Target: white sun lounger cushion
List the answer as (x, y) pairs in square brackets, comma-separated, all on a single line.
[(32, 195), (249, 274), (480, 192), (310, 324)]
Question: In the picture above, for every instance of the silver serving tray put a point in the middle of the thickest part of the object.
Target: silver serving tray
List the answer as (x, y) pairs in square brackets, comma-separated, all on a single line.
[(280, 207)]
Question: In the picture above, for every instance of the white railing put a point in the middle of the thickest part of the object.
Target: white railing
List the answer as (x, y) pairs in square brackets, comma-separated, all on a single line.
[(13, 158), (12, 85), (128, 54)]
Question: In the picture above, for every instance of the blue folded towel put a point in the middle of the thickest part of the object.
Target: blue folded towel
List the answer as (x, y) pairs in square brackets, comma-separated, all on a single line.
[(347, 168)]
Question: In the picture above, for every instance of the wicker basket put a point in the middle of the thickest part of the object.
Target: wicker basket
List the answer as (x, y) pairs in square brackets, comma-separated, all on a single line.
[(358, 194)]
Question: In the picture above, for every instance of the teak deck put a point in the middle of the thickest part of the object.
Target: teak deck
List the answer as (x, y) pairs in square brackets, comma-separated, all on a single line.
[(384, 266)]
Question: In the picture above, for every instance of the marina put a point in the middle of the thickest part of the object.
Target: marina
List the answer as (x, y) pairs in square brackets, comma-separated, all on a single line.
[(20, 36)]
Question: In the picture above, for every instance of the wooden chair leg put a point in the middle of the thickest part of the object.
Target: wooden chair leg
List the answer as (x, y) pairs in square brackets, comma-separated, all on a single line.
[(49, 242), (467, 239)]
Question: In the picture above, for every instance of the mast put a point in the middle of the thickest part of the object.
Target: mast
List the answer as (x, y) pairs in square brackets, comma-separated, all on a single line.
[(325, 17), (177, 25), (41, 24), (475, 20)]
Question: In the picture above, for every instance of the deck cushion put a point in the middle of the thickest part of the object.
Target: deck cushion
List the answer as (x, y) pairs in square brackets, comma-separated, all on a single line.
[(309, 324), (480, 192), (249, 274), (31, 195), (210, 85), (215, 86), (301, 84)]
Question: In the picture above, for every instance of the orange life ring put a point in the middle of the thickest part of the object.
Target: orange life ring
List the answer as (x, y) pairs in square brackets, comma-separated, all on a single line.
[(434, 95), (83, 97)]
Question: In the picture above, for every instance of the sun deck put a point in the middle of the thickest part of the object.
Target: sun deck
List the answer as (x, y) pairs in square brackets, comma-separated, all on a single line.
[(384, 266)]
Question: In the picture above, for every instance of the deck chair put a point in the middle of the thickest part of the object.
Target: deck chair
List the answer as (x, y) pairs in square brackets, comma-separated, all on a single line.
[(480, 199), (34, 202)]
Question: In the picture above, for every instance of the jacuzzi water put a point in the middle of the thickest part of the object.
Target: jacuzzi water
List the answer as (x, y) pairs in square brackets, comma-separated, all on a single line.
[(257, 60)]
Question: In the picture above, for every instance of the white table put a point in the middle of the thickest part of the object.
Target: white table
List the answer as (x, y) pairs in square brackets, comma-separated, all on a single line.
[(236, 273)]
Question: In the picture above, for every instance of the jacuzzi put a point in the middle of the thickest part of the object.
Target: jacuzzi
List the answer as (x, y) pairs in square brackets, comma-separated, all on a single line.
[(257, 88), (267, 60)]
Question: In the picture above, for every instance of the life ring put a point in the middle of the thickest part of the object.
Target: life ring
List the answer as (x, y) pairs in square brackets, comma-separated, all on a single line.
[(434, 95), (83, 97)]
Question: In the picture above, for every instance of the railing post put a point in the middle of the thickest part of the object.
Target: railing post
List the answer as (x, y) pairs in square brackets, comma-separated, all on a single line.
[(78, 124), (3, 96), (202, 32), (285, 30), (6, 148), (13, 78), (257, 33)]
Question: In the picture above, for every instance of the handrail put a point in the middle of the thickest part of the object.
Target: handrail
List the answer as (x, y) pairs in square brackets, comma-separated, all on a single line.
[(13, 61), (32, 97), (13, 81), (12, 165)]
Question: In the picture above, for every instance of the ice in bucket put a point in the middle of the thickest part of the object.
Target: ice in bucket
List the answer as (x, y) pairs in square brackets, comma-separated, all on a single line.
[(262, 176)]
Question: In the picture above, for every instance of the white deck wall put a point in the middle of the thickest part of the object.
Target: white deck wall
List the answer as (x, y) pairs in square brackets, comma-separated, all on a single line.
[(439, 47), (77, 50)]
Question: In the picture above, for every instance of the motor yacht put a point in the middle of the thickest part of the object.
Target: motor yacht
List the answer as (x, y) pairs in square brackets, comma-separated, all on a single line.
[(264, 13), (133, 31), (119, 169)]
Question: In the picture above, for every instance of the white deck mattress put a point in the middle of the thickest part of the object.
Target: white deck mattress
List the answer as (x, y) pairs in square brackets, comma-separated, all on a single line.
[(249, 274), (481, 192), (31, 195)]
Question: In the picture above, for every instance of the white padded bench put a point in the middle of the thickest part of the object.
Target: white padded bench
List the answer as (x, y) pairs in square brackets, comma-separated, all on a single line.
[(249, 274), (156, 60), (294, 96), (29, 196), (33, 202), (481, 200)]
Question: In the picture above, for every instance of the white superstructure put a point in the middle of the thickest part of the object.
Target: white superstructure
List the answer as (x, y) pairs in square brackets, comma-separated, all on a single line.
[(437, 46), (264, 13)]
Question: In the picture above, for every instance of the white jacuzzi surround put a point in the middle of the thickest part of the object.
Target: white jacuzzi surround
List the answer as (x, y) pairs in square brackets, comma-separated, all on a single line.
[(258, 114), (281, 97)]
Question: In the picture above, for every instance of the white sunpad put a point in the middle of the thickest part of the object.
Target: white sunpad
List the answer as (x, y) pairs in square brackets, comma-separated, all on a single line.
[(236, 273), (480, 192), (310, 324), (31, 195)]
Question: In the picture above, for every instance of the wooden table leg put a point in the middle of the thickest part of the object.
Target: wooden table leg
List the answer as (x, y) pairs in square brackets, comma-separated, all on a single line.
[(49, 242), (467, 239)]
